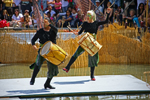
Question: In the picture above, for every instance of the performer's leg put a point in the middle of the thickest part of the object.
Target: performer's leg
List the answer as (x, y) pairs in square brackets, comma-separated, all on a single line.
[(78, 52), (52, 71), (70, 62), (35, 72), (92, 62), (37, 66), (92, 73), (47, 84)]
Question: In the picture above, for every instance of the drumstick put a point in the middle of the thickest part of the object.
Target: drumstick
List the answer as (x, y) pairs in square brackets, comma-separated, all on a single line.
[(70, 28), (79, 26), (112, 4)]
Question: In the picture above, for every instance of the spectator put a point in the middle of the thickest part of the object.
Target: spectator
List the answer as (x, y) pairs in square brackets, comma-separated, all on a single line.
[(64, 5), (25, 5), (52, 19), (100, 8), (69, 8), (130, 17), (79, 18), (27, 19), (5, 15), (140, 1), (10, 13), (111, 12), (50, 11), (17, 19), (67, 19), (50, 14), (59, 16), (74, 14), (51, 2), (99, 11), (34, 22), (57, 6), (143, 1), (117, 17), (140, 10)]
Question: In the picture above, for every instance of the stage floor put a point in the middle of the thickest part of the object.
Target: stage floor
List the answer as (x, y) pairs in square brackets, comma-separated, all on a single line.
[(73, 86)]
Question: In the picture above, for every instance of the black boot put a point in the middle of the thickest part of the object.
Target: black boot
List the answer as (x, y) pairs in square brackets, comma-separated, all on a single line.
[(35, 72), (69, 64), (92, 73), (47, 84)]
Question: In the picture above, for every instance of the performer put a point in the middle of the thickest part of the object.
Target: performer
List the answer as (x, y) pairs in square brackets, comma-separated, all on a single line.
[(91, 26), (48, 33)]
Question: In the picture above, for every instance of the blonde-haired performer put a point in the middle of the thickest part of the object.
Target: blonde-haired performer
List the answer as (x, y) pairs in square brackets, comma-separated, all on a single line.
[(90, 26)]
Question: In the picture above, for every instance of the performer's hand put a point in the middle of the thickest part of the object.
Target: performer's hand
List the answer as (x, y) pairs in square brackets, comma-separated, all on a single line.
[(35, 47)]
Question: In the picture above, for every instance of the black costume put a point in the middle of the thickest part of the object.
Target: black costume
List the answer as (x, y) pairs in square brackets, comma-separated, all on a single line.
[(92, 60), (43, 37)]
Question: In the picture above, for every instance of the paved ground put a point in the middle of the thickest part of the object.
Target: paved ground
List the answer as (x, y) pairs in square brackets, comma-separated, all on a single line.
[(73, 86)]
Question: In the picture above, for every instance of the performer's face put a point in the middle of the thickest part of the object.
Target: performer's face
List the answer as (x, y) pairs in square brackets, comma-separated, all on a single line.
[(46, 23), (89, 16)]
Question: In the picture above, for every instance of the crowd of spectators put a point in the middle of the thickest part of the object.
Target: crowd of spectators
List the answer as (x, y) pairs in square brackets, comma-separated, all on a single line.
[(65, 12)]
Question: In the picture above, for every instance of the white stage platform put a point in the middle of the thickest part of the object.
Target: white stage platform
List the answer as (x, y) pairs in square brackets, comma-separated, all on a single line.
[(73, 86)]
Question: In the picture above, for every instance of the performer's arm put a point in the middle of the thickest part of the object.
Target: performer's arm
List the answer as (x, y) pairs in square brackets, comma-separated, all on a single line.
[(54, 41), (53, 28), (35, 37), (81, 29), (104, 22)]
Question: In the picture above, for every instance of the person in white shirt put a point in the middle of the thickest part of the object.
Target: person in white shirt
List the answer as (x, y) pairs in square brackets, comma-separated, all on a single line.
[(64, 5), (52, 12), (17, 18), (100, 8)]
